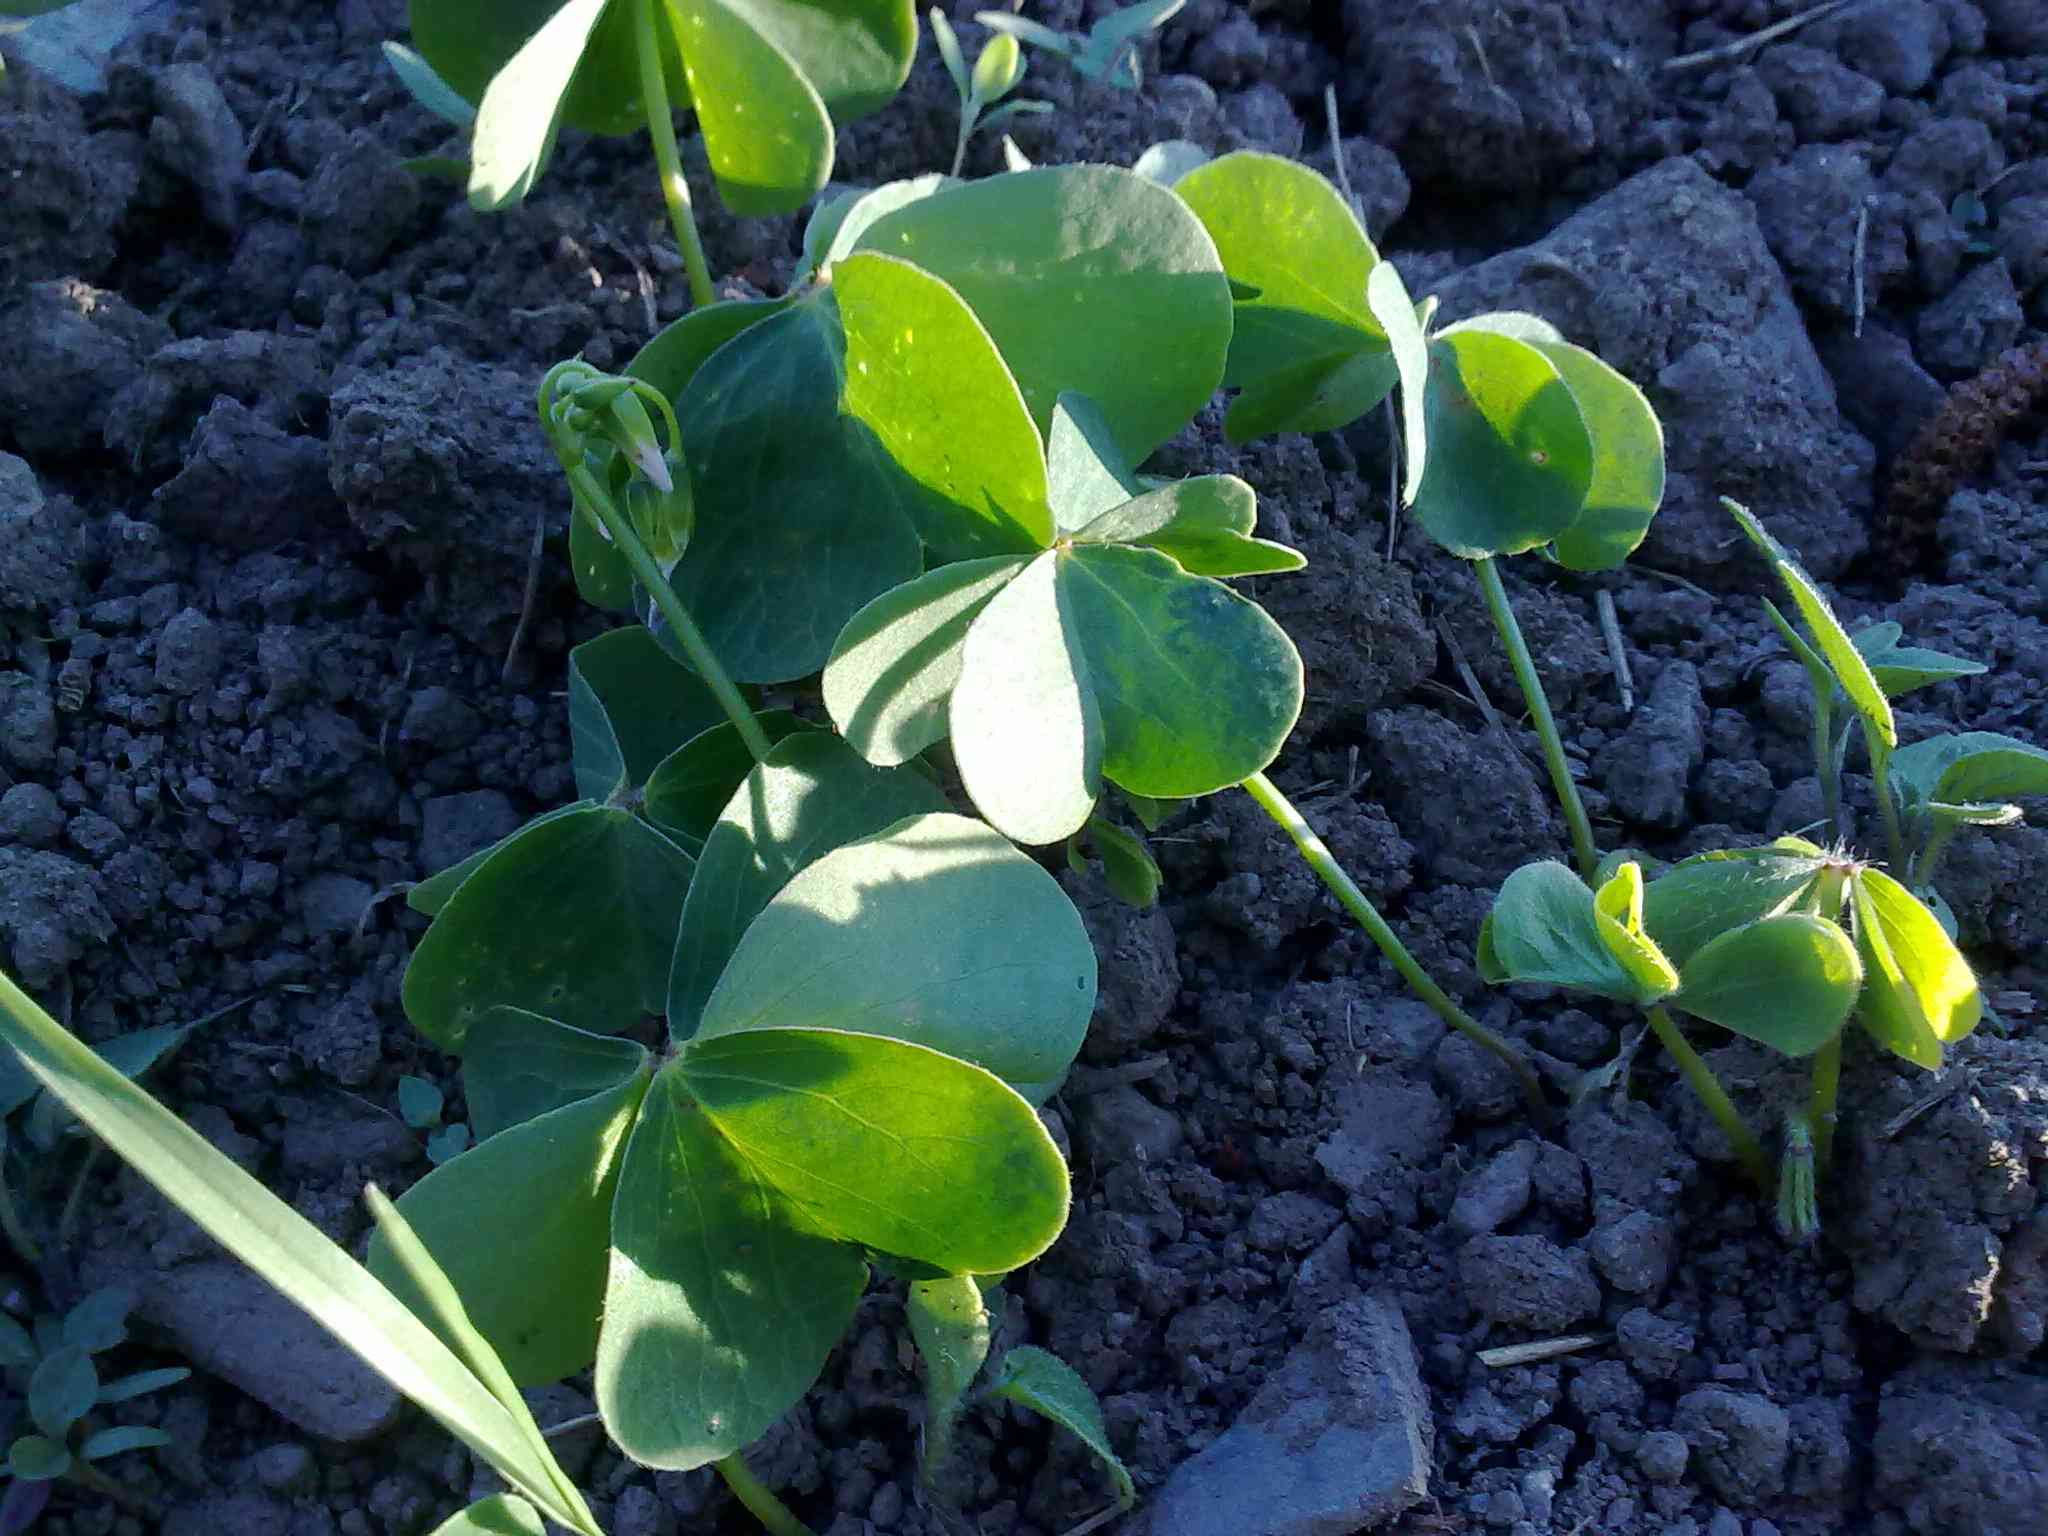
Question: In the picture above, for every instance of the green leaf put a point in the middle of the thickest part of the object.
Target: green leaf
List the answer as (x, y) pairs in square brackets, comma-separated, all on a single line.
[(532, 1285), (574, 917), (428, 88), (430, 895), (502, 1514), (287, 1250), (891, 674), (37, 1458), (1787, 981), (1205, 524), (885, 1144), (690, 786), (1919, 993), (468, 42), (1851, 671), (100, 1321), (671, 359), (63, 1387), (1517, 324), (1307, 353), (630, 705), (141, 1383), (447, 1144), (935, 931), (1968, 767), (718, 1311), (1025, 722), (766, 130), (1618, 914), (1169, 160), (1197, 687), (1387, 297), (1706, 896), (1127, 864), (836, 228), (925, 377), (1543, 929), (801, 517), (419, 1102), (1088, 278), (517, 1066), (1900, 669), (950, 1323), (1087, 474), (1628, 461), (813, 795), (122, 1437), (1041, 1381), (521, 109), (1510, 459)]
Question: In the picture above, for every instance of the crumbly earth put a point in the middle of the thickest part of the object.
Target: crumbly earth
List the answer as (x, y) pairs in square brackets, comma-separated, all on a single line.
[(267, 488)]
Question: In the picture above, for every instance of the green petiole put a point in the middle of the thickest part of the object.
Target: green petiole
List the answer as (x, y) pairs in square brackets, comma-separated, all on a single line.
[(668, 159), (1748, 1150)]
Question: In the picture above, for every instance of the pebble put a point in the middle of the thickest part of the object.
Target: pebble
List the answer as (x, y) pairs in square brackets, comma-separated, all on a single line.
[(31, 816)]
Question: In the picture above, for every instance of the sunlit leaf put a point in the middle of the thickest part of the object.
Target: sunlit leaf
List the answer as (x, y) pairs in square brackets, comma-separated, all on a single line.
[(1787, 981), (1918, 992)]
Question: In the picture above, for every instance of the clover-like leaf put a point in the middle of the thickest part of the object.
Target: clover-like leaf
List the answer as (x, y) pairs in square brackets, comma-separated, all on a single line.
[(935, 931), (630, 705), (1919, 993), (1510, 459), (1087, 278), (1696, 901), (691, 786), (1627, 483), (1109, 661), (574, 917), (61, 1390), (1618, 914), (1205, 523), (1970, 766), (38, 1458), (517, 1066), (532, 1284), (1387, 297), (814, 794), (836, 227), (430, 895), (1543, 928), (1087, 473), (502, 1514), (1788, 981), (1902, 668), (1307, 353)]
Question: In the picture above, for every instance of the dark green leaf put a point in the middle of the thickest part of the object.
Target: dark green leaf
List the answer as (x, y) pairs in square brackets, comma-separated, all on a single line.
[(16, 1347), (1039, 1380), (884, 1144), (122, 1389), (1706, 896), (1971, 766), (1542, 929), (502, 1514), (890, 678), (1088, 278), (1628, 461), (835, 229), (63, 1387), (1902, 668), (419, 1102), (951, 1326), (1127, 864), (1510, 460), (681, 347), (1205, 524), (1086, 472), (1307, 353), (1918, 991), (801, 516), (1787, 981), (630, 705), (767, 132), (692, 784), (935, 931), (574, 918), (532, 1282), (428, 88), (430, 895), (38, 1458), (100, 1321), (814, 794), (718, 1311), (447, 1144), (122, 1437)]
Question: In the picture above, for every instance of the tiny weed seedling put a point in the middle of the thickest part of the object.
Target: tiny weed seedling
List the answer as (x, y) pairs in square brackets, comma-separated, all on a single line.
[(420, 1105), (997, 71), (1106, 53), (52, 1367)]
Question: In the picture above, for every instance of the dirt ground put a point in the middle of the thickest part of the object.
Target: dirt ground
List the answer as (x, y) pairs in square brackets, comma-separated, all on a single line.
[(268, 479)]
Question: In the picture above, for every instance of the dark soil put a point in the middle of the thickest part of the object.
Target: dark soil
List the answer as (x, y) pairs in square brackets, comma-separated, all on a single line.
[(268, 488)]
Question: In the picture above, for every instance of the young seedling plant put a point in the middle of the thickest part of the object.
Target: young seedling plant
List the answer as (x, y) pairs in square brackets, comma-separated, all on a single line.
[(998, 70), (1106, 53)]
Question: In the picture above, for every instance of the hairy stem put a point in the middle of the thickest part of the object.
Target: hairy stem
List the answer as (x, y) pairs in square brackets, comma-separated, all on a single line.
[(1820, 1107), (595, 502), (761, 1503), (1319, 858), (668, 160), (1583, 846), (1827, 763), (1748, 1150), (1887, 802)]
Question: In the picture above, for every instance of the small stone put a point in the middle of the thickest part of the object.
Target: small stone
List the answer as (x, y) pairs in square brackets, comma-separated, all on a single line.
[(188, 653), (1662, 1455), (332, 903), (1633, 1252), (95, 836), (195, 136), (1945, 156), (439, 721), (452, 827), (1290, 1222), (1742, 1440), (31, 816), (1120, 1125), (286, 1468), (358, 203), (640, 1512), (1475, 1079), (1821, 96), (1975, 321), (2022, 238), (1898, 44), (1528, 1283), (1654, 1348), (1495, 1192), (1647, 770)]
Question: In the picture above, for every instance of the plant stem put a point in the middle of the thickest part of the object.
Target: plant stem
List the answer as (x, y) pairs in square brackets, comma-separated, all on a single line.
[(761, 1503), (1887, 802), (1319, 858), (668, 160), (596, 502), (10, 1217), (1827, 763), (1748, 1150), (1820, 1107), (1583, 846)]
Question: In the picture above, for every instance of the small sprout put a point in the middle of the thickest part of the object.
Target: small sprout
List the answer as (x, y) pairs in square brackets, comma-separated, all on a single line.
[(420, 1102), (996, 73), (1798, 1214), (1039, 1380), (1107, 52)]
